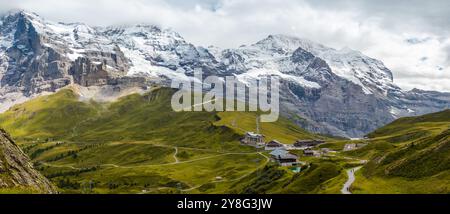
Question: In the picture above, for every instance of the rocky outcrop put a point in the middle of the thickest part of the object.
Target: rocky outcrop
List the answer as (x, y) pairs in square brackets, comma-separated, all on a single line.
[(44, 57), (16, 169)]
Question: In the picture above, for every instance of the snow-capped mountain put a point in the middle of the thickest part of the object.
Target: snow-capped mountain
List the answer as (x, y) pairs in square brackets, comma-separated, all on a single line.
[(371, 74), (339, 92)]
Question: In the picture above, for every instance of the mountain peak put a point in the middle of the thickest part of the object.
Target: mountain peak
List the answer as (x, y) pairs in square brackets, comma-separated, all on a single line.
[(145, 30), (284, 38), (14, 14), (285, 43), (23, 19)]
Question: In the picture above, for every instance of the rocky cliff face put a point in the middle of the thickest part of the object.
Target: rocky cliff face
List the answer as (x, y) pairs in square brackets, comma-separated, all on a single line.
[(37, 55), (338, 92), (29, 65), (16, 170)]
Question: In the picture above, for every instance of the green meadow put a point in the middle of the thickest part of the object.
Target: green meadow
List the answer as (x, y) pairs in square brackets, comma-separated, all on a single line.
[(410, 155), (137, 144)]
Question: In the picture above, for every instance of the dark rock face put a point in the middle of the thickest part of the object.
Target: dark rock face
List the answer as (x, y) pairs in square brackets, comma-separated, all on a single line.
[(38, 59), (16, 170), (301, 55), (33, 67), (87, 73), (334, 109)]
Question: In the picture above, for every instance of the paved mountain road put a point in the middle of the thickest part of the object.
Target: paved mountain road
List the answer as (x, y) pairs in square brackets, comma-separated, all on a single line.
[(351, 178)]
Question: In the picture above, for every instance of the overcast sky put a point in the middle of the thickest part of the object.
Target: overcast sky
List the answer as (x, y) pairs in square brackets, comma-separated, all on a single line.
[(411, 37)]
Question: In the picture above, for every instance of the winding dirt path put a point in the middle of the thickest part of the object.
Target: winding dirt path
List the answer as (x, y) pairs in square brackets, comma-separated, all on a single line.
[(175, 155)]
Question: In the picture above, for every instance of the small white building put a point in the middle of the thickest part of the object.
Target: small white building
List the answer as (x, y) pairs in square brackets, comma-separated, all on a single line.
[(254, 139), (349, 147), (354, 146)]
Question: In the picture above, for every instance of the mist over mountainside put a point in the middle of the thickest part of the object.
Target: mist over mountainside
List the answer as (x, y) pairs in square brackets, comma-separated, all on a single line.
[(337, 92)]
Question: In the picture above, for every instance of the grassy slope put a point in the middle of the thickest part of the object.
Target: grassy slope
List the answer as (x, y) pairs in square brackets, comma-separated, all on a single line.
[(429, 122), (415, 157), (48, 116), (282, 130), (129, 145), (321, 176)]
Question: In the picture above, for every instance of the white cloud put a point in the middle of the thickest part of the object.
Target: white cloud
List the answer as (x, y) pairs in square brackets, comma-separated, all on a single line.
[(374, 29)]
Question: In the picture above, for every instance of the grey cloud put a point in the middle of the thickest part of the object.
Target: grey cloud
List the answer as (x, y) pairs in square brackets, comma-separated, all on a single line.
[(447, 49), (431, 15)]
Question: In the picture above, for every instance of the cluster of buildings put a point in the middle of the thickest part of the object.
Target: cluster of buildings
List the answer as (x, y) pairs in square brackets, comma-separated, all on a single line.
[(280, 152)]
